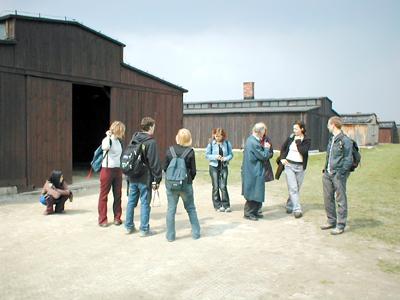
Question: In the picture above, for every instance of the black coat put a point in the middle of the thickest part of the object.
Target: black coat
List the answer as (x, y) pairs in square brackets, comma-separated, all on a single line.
[(302, 145), (152, 160)]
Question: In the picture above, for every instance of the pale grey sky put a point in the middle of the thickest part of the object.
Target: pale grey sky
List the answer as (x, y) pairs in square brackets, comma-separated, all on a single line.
[(346, 50)]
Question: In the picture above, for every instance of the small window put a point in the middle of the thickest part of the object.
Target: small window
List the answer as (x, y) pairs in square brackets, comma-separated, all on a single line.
[(283, 103), (274, 103), (266, 103), (246, 104), (214, 105), (3, 33), (311, 102), (204, 105), (229, 105), (221, 105), (190, 106), (254, 104), (197, 106)]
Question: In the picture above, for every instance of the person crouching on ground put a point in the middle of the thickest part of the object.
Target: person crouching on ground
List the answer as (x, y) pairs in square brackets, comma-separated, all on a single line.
[(219, 153), (111, 174), (294, 157), (183, 151), (56, 192), (253, 172)]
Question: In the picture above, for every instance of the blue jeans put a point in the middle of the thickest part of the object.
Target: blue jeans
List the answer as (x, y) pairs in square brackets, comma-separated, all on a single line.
[(188, 203), (136, 190), (294, 178)]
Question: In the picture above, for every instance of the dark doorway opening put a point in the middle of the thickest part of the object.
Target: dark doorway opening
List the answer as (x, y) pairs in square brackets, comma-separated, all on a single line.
[(90, 121)]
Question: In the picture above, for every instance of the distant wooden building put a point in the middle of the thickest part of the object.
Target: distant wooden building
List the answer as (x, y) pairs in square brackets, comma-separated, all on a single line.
[(363, 128), (61, 84), (388, 132), (238, 116)]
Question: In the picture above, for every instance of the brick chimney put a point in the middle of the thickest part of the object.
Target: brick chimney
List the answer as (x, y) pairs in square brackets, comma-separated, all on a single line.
[(248, 90)]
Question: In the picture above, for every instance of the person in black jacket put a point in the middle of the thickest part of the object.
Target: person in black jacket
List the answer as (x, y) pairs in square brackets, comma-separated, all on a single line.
[(142, 185), (182, 149), (294, 158)]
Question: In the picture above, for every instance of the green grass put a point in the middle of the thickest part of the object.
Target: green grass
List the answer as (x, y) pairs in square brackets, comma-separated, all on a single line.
[(389, 266), (373, 190)]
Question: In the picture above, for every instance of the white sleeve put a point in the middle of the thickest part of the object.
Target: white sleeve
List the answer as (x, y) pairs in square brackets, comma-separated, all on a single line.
[(105, 144)]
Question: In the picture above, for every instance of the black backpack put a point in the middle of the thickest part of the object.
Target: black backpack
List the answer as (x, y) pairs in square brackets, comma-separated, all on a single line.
[(133, 159), (356, 155)]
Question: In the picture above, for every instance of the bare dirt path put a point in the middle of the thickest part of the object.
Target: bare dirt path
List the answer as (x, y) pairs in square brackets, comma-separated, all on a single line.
[(69, 257)]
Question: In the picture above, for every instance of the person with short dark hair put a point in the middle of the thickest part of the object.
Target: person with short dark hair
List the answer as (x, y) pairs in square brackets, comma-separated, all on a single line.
[(219, 153), (294, 157), (142, 185), (339, 161), (56, 192)]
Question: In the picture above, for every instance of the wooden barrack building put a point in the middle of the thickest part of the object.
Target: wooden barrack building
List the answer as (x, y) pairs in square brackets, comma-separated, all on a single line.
[(61, 84)]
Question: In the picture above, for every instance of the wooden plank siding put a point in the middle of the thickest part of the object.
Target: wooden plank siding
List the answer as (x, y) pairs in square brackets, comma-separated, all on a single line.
[(49, 129), (38, 69), (66, 50), (385, 135), (130, 106), (13, 130), (239, 126)]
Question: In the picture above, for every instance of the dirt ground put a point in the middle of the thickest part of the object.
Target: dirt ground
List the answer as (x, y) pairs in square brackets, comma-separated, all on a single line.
[(69, 256)]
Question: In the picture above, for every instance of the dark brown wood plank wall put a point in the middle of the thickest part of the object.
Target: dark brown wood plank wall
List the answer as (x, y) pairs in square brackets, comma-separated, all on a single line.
[(13, 128), (239, 126), (130, 106), (65, 49), (385, 135), (49, 133)]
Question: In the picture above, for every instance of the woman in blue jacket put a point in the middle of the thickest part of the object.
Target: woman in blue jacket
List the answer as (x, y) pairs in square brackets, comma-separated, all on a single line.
[(219, 153)]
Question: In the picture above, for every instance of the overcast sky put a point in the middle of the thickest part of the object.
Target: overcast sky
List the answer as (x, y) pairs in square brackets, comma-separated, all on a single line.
[(346, 50)]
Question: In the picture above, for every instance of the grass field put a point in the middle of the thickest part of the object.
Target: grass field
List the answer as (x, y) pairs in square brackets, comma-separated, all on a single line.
[(373, 190)]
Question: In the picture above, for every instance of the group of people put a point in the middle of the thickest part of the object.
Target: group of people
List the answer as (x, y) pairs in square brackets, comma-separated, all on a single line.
[(256, 170)]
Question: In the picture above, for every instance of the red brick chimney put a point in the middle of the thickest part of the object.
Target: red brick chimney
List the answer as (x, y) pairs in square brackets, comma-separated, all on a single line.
[(248, 90)]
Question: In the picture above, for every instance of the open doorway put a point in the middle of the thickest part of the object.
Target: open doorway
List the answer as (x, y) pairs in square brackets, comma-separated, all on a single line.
[(90, 121)]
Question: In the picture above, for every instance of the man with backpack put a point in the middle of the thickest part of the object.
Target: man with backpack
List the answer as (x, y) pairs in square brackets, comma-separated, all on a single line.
[(339, 163), (141, 163)]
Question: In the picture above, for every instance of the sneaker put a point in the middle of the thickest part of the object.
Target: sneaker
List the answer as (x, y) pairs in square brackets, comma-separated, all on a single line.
[(221, 209), (337, 231), (228, 210), (130, 230), (298, 214), (147, 233), (327, 226), (117, 222), (251, 218), (289, 211), (103, 224), (260, 216)]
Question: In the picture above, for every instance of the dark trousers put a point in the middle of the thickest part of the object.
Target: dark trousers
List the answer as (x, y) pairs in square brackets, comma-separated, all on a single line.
[(334, 187), (251, 208), (59, 203), (110, 177), (219, 180)]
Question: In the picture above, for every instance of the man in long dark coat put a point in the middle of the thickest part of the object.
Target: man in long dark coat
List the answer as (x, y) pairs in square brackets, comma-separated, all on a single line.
[(253, 171)]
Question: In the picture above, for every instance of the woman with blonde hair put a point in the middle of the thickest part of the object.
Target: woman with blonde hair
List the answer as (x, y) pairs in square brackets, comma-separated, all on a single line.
[(111, 174), (183, 188)]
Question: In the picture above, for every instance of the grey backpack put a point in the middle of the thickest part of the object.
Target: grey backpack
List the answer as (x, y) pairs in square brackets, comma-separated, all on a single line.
[(176, 175)]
